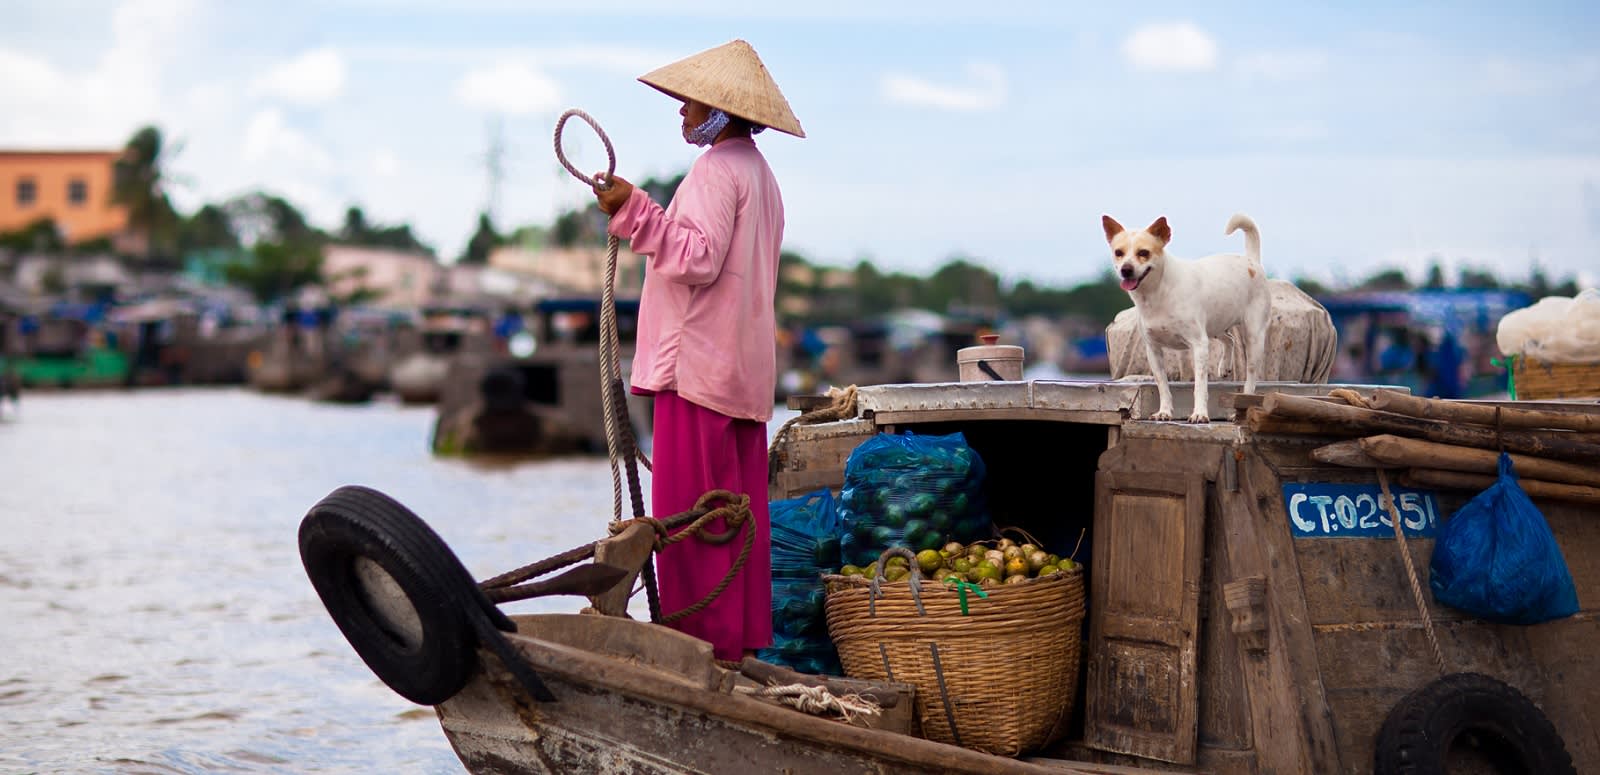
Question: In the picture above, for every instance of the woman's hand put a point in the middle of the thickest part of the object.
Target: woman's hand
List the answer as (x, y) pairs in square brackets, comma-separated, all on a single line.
[(611, 199)]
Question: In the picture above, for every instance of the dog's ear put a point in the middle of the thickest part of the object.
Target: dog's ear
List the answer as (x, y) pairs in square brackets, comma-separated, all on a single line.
[(1111, 226), (1160, 230)]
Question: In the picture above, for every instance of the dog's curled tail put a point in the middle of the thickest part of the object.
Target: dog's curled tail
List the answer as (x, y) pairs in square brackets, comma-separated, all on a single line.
[(1252, 237)]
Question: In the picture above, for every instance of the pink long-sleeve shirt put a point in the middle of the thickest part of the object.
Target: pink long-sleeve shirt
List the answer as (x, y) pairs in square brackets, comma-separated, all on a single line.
[(707, 326)]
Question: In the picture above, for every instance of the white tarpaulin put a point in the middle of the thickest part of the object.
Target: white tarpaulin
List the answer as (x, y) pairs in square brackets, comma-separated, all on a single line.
[(1301, 343)]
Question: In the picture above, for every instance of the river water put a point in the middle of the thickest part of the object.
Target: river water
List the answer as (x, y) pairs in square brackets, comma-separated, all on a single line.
[(155, 613)]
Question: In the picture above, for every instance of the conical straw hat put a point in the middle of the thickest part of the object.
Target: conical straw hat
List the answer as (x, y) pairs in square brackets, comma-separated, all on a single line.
[(730, 77)]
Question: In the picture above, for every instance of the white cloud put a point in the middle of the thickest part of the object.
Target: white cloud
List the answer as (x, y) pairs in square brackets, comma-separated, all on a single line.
[(1282, 65), (1175, 46), (1516, 77), (312, 78), (509, 87), (384, 163), (987, 90), (50, 106), (1286, 131), (268, 138)]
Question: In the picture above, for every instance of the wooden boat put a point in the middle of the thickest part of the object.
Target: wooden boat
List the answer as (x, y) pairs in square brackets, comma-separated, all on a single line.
[(1249, 606), (544, 403)]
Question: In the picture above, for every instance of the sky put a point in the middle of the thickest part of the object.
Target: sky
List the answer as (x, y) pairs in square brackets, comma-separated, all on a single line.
[(1358, 135)]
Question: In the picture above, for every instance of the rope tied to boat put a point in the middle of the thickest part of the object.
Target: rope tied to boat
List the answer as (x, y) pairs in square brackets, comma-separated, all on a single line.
[(1356, 399), (842, 407), (815, 700), (620, 442), (613, 405)]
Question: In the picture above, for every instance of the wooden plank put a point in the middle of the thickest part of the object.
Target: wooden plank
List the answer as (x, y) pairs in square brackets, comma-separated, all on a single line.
[(1368, 422), (793, 484), (1572, 493), (1363, 580), (1349, 454), (814, 456), (1144, 614), (1367, 672), (1258, 420), (1224, 699), (628, 549), (1566, 649), (915, 416), (1505, 415), (1403, 452), (1292, 723)]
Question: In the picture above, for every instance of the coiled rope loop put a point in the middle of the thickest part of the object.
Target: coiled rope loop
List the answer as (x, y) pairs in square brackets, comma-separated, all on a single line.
[(611, 154)]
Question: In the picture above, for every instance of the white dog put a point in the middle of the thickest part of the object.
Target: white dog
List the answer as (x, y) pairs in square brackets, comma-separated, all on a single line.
[(1183, 304)]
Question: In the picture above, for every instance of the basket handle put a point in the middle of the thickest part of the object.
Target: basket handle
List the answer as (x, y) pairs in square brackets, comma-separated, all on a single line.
[(916, 578)]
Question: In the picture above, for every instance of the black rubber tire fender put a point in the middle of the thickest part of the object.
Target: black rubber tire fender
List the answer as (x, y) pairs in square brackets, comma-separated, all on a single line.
[(1417, 736), (357, 522)]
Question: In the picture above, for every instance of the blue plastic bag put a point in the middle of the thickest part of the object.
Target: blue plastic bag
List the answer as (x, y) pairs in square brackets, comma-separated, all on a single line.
[(805, 545), (915, 491), (1497, 559)]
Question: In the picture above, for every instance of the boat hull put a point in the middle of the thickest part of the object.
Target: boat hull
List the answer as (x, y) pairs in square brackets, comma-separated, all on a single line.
[(614, 715)]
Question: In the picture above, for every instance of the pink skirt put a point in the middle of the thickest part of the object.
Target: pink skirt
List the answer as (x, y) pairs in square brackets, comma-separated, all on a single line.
[(693, 450)]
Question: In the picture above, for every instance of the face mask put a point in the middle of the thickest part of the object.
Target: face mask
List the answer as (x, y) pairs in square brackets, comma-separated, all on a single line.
[(708, 131)]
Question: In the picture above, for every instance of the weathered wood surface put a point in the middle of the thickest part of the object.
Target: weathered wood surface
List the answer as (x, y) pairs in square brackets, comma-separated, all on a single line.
[(1148, 548), (1349, 454), (628, 549), (813, 456), (1399, 451), (1368, 421), (613, 715), (1290, 716), (1260, 422), (1431, 477), (1505, 415)]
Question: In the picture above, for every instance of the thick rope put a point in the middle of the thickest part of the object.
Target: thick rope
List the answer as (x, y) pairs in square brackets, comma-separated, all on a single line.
[(1356, 399), (1411, 574), (815, 700), (735, 514), (616, 417), (843, 407)]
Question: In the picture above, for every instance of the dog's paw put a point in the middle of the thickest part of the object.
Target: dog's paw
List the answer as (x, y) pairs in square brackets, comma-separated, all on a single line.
[(1199, 417), (1161, 416)]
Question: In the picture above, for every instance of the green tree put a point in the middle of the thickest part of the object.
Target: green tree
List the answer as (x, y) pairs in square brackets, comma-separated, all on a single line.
[(209, 228), (275, 270), (40, 236), (483, 241), (1386, 280), (355, 229), (139, 181), (1435, 279), (1480, 279), (262, 217)]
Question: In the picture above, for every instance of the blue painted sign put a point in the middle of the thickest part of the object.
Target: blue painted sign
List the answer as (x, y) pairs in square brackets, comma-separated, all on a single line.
[(1322, 510)]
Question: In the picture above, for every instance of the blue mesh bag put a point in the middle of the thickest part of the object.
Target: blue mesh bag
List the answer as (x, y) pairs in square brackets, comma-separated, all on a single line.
[(913, 491), (805, 545), (1497, 559)]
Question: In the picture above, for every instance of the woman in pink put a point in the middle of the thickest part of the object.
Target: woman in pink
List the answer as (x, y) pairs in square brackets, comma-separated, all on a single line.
[(706, 344)]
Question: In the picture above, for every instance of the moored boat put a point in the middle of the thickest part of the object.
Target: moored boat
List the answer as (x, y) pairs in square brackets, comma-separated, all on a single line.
[(1252, 602)]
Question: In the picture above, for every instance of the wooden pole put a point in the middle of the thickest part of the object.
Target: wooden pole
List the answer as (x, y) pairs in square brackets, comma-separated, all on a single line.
[(1368, 421), (1394, 451), (1482, 414), (1348, 453), (1455, 480)]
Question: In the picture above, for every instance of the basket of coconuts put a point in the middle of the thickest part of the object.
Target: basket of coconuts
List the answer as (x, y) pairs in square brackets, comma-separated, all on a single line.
[(988, 633)]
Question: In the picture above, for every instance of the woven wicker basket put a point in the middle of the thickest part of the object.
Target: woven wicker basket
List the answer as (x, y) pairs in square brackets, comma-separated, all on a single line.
[(1535, 380), (1000, 678)]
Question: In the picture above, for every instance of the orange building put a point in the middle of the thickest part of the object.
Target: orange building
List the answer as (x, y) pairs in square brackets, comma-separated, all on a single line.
[(71, 187)]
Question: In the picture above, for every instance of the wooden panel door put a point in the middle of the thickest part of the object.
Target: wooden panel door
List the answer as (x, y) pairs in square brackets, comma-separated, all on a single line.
[(1145, 578)]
